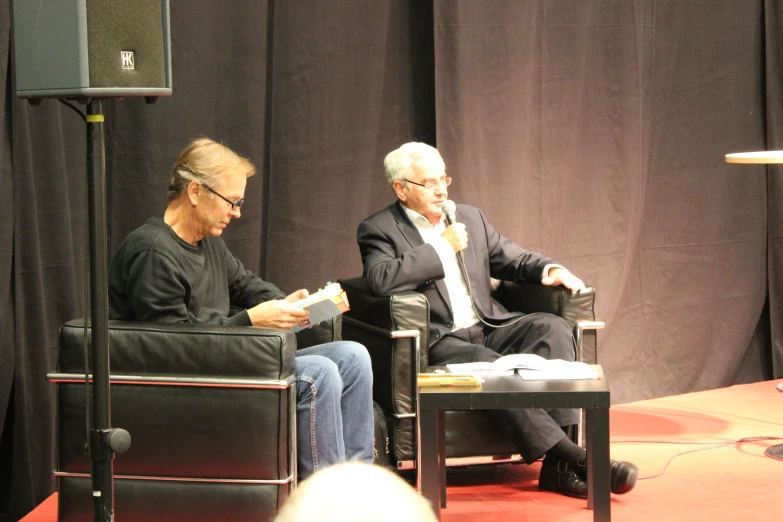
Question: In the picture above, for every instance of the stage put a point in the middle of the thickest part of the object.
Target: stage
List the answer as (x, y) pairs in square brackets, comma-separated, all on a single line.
[(723, 482)]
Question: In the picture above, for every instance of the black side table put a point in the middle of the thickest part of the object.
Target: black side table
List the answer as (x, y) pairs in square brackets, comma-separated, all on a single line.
[(506, 392)]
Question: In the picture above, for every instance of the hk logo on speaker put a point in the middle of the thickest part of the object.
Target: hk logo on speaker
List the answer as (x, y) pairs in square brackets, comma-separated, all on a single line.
[(128, 62)]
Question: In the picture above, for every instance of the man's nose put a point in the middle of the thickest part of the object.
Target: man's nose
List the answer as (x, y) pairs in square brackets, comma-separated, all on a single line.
[(235, 212)]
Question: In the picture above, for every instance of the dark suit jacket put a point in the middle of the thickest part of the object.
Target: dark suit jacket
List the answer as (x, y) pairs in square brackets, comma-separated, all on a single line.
[(396, 259)]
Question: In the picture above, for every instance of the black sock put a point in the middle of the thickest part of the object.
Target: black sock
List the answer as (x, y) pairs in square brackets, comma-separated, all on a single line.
[(566, 450)]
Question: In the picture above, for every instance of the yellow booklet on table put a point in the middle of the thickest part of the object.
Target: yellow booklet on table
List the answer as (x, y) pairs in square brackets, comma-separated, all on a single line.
[(449, 379)]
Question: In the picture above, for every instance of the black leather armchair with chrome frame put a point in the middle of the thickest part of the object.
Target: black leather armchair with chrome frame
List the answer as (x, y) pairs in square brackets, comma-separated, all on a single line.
[(211, 411), (395, 328)]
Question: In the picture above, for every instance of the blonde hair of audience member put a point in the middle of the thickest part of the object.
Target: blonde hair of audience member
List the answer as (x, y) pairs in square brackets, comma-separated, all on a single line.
[(205, 161), (355, 492)]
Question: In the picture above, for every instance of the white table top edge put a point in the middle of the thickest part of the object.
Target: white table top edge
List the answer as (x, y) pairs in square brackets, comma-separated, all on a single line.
[(756, 157)]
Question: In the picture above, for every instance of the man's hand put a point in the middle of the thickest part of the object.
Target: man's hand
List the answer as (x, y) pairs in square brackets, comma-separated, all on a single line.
[(457, 236), (561, 276), (278, 314), (296, 296)]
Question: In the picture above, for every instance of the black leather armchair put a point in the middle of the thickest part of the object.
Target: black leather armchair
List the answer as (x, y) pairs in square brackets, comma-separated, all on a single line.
[(211, 411), (395, 330)]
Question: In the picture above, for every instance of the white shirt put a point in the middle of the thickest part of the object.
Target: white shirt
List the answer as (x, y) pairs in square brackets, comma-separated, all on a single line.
[(461, 306)]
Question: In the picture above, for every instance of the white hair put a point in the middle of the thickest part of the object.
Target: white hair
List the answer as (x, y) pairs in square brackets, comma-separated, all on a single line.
[(399, 162), (355, 492)]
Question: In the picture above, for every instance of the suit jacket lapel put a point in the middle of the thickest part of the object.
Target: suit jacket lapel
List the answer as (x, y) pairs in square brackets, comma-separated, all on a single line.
[(407, 229), (413, 237)]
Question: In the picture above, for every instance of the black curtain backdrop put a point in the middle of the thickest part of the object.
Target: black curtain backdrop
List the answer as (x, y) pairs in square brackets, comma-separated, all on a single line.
[(593, 131)]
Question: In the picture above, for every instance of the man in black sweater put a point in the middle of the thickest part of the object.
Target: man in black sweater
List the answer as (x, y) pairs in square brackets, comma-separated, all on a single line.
[(177, 269)]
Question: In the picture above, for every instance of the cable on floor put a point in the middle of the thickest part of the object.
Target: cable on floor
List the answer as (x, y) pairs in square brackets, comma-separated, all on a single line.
[(715, 445)]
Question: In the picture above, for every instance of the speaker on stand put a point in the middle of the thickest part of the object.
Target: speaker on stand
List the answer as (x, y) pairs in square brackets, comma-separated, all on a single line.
[(89, 50)]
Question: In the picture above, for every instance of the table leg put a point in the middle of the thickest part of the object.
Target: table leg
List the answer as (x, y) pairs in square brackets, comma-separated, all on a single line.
[(598, 475), (442, 456), (430, 453)]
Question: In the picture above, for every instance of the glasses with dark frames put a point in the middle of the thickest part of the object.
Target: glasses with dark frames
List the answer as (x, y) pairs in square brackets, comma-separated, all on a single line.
[(234, 204), (432, 183)]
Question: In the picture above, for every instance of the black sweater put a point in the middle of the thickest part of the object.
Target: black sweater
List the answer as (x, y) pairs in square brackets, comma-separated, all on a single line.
[(156, 276)]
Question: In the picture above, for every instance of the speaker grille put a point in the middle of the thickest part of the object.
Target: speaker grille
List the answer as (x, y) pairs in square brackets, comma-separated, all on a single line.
[(132, 26)]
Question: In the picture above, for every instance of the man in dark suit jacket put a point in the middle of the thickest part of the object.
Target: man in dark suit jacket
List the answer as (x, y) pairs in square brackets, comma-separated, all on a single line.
[(410, 246)]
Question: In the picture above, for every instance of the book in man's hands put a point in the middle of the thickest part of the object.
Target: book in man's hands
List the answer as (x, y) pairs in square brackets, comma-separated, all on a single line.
[(529, 367), (325, 304)]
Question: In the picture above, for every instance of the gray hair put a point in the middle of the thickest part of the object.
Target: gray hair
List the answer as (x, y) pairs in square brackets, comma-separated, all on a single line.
[(205, 161), (399, 162)]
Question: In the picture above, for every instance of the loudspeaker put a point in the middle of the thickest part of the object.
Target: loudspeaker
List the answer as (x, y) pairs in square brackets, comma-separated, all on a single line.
[(92, 48)]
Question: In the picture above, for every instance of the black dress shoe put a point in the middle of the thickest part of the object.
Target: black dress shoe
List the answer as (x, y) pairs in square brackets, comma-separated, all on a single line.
[(623, 476), (562, 479)]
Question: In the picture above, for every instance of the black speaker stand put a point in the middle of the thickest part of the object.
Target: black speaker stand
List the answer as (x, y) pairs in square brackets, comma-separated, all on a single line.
[(104, 441)]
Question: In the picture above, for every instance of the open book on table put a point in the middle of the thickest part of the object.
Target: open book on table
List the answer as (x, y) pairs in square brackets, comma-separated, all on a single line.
[(529, 366), (325, 304)]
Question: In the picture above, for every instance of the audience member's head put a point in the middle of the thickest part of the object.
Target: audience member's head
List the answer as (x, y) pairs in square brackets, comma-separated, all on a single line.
[(355, 492)]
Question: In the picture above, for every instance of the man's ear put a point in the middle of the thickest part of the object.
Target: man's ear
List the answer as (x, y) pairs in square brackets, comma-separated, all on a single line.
[(195, 189), (399, 189)]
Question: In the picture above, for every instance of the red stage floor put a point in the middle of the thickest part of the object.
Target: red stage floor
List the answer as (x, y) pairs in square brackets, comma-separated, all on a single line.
[(729, 482)]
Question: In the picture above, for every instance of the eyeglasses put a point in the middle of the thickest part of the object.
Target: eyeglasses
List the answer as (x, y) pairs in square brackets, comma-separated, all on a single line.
[(234, 204), (432, 183)]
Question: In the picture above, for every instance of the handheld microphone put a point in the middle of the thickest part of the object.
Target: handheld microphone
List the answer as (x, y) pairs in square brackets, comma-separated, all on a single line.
[(450, 209)]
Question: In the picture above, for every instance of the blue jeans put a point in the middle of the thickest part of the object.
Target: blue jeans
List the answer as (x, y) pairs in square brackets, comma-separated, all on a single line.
[(334, 417)]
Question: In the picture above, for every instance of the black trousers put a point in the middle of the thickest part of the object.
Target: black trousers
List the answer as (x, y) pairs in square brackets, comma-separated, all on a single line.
[(535, 430)]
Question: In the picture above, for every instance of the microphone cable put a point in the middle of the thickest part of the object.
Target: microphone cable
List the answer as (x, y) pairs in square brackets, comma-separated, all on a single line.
[(464, 271), (449, 209), (712, 445), (466, 279)]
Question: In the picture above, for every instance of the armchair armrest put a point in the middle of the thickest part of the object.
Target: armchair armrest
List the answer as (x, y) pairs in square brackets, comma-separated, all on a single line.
[(557, 300), (186, 350), (393, 328), (578, 309), (400, 311)]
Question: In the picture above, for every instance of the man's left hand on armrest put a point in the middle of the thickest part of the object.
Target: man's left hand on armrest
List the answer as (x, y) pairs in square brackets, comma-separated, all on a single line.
[(561, 276)]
